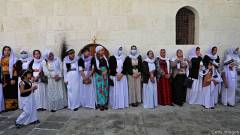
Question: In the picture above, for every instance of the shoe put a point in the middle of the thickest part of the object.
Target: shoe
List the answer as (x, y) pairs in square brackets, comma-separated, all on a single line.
[(53, 110), (75, 109), (18, 125), (101, 108), (106, 107)]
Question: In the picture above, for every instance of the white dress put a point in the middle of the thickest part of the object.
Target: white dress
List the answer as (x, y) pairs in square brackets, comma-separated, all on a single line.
[(119, 92), (88, 94), (150, 95), (150, 99), (25, 64), (40, 93), (29, 113), (228, 94), (2, 106), (194, 95), (208, 96), (56, 92), (72, 77)]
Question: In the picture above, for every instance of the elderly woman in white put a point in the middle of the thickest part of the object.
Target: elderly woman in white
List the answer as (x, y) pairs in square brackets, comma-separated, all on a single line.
[(56, 92)]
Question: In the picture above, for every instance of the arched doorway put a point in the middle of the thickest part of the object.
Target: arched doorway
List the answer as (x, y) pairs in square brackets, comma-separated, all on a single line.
[(92, 47)]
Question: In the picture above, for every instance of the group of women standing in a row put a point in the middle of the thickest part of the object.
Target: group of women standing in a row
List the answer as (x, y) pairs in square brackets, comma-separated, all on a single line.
[(119, 81)]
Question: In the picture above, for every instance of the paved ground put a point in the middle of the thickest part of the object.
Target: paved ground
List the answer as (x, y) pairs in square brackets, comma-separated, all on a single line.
[(187, 120)]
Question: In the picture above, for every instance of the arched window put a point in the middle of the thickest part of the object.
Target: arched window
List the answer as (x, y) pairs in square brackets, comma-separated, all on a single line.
[(185, 27)]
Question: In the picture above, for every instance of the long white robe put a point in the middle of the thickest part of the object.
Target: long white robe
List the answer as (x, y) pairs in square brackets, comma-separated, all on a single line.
[(150, 95), (25, 64), (194, 95), (119, 92), (88, 93), (56, 92), (208, 96), (228, 94), (2, 106), (73, 85), (217, 87), (40, 93), (29, 113)]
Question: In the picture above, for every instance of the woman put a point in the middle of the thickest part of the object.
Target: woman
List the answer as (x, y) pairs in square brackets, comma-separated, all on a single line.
[(163, 79), (10, 79), (101, 69), (27, 89), (209, 84), (150, 99), (22, 64), (213, 57), (133, 67), (119, 90), (229, 87), (71, 79), (180, 70), (194, 94), (56, 92), (87, 84), (36, 65), (2, 106)]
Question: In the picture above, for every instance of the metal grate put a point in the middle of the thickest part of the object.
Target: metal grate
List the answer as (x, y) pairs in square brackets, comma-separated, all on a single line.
[(185, 23)]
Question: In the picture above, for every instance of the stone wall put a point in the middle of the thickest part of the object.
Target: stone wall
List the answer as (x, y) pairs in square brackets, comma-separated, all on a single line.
[(149, 24)]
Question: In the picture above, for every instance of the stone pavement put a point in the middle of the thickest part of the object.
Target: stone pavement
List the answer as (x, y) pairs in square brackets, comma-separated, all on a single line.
[(164, 120)]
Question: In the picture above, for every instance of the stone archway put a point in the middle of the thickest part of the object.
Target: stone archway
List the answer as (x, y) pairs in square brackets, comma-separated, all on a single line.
[(92, 47)]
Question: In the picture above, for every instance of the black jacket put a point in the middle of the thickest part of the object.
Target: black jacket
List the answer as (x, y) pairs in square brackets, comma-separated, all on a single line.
[(113, 66), (145, 72), (194, 69), (127, 65)]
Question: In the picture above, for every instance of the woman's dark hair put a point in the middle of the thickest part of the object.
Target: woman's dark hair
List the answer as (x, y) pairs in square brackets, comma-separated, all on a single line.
[(213, 48), (5, 48), (86, 49), (34, 51), (133, 46), (149, 52), (197, 48)]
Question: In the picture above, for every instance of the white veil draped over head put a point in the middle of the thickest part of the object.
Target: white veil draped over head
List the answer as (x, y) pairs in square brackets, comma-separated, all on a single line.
[(151, 64), (97, 49), (67, 59)]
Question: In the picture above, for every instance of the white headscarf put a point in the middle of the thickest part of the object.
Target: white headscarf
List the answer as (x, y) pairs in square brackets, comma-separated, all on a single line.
[(116, 53), (134, 56), (28, 58), (209, 53), (151, 64), (229, 76), (231, 52), (97, 49), (167, 61), (12, 60), (67, 59), (192, 53)]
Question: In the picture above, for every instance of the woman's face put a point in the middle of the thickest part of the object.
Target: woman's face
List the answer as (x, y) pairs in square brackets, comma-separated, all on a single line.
[(101, 52), (179, 53), (231, 65), (151, 55), (51, 56), (37, 55), (86, 53), (198, 51), (71, 55), (163, 53), (214, 50), (6, 51), (210, 66), (29, 76)]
